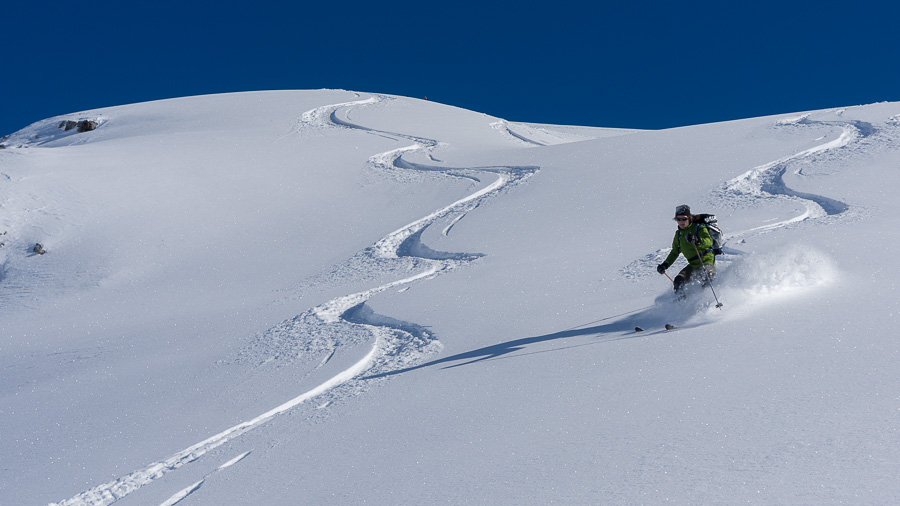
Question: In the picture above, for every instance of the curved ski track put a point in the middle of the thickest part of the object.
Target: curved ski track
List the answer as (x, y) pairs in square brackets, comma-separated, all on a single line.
[(345, 320), (503, 126), (767, 182)]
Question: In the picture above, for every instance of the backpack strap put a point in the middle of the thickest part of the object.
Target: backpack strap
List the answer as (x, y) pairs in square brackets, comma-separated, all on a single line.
[(689, 259), (698, 234)]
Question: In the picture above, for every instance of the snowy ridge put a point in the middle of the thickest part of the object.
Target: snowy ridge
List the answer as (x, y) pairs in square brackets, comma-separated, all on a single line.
[(265, 272), (323, 117), (532, 135), (338, 116), (504, 126), (54, 132)]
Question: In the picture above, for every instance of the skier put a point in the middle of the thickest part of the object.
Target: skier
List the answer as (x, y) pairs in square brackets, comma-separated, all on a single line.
[(694, 241)]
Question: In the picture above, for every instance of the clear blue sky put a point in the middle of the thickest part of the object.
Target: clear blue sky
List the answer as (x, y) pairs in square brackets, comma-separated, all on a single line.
[(623, 64)]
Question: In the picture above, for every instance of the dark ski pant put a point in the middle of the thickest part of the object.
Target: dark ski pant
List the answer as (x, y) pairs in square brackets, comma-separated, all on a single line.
[(689, 272)]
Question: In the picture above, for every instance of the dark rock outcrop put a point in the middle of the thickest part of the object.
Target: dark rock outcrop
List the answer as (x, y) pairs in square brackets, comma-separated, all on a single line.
[(84, 125)]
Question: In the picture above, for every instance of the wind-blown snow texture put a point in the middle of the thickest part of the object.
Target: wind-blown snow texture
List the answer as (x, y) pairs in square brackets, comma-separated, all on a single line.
[(331, 297)]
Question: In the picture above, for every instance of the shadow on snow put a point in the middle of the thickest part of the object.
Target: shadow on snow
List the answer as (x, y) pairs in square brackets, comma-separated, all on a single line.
[(651, 318)]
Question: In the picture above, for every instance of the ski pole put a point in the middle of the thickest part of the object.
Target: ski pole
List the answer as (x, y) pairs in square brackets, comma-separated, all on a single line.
[(670, 277), (708, 277)]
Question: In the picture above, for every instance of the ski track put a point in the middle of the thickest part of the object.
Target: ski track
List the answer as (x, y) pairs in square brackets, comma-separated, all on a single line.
[(182, 494), (766, 182), (503, 126), (346, 320)]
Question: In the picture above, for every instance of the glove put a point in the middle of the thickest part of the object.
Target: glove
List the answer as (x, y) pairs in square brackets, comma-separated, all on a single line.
[(661, 268), (693, 238)]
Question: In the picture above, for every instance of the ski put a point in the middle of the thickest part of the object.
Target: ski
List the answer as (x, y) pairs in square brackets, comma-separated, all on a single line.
[(669, 326)]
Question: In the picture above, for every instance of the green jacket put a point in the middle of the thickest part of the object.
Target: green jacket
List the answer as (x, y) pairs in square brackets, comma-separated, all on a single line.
[(680, 245)]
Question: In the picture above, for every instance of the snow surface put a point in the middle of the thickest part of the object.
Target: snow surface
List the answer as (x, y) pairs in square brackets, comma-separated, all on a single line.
[(330, 297)]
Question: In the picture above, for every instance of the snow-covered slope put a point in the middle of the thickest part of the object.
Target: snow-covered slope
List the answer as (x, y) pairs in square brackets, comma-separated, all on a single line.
[(331, 297)]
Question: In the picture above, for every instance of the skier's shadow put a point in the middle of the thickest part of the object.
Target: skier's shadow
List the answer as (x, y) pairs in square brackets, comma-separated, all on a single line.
[(620, 329)]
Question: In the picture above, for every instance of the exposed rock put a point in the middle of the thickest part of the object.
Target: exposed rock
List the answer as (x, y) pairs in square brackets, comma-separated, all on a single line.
[(84, 125)]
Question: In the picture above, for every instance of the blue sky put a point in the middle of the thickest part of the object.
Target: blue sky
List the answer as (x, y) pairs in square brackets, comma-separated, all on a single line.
[(623, 64)]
